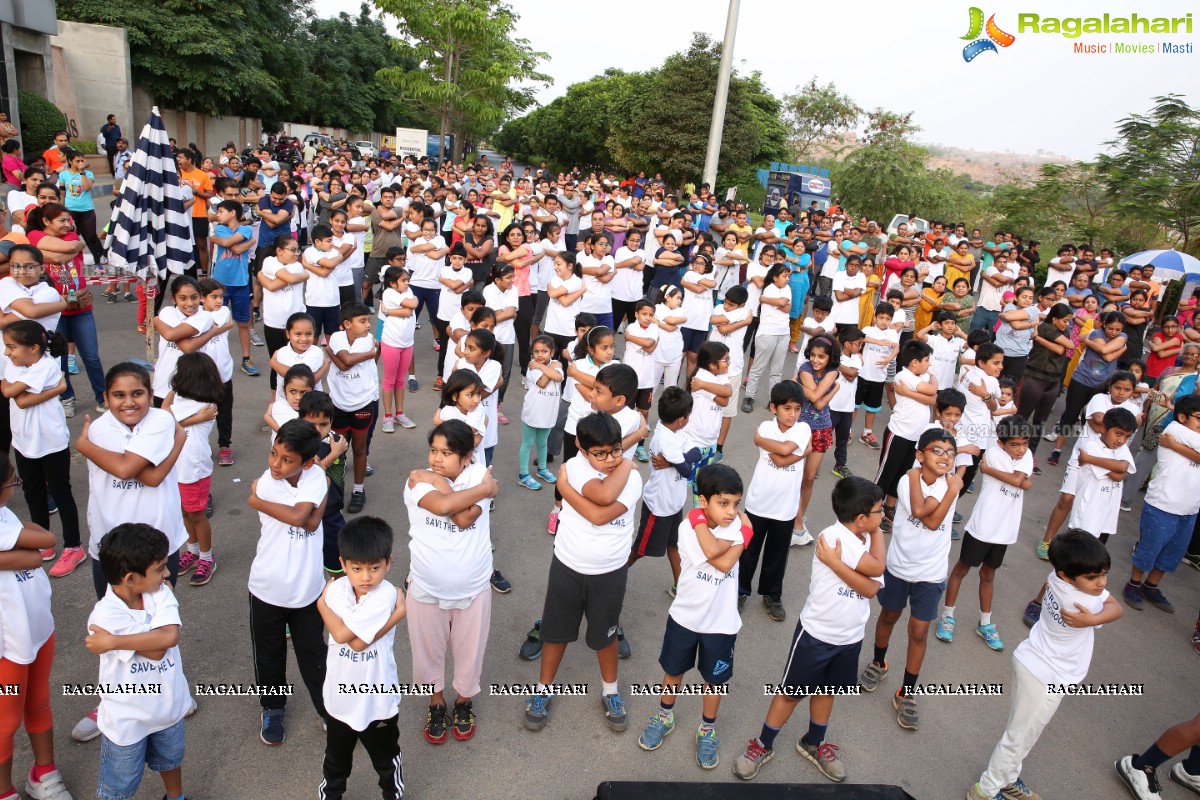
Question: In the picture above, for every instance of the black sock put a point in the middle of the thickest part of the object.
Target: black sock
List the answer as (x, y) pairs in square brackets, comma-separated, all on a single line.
[(910, 680), (666, 707), (1152, 757), (1149, 585), (720, 448), (816, 733), (1191, 764), (767, 736), (245, 359), (880, 655), (709, 721), (1134, 583)]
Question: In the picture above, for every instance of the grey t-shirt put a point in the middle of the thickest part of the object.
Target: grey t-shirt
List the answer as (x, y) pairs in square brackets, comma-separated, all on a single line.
[(571, 206)]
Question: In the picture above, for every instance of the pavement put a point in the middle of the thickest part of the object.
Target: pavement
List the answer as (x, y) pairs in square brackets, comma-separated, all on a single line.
[(576, 751)]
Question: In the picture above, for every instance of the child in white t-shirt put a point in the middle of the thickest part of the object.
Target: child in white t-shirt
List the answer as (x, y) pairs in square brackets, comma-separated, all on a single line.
[(730, 321), (710, 394), (641, 340), (184, 327), (817, 323), (1103, 463), (354, 386), (296, 382), (916, 394), (301, 348), (880, 344), (944, 336), (842, 406), (397, 309), (540, 411)]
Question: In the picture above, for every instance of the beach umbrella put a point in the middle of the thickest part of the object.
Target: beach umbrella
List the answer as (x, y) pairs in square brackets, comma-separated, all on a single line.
[(150, 228), (1168, 264)]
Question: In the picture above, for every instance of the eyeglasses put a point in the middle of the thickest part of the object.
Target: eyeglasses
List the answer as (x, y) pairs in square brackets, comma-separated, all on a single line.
[(941, 451), (605, 455), (25, 266), (17, 483), (875, 511), (1195, 416)]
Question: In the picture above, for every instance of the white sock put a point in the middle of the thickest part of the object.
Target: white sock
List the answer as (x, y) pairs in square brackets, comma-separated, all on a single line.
[(607, 688), (193, 548), (543, 689), (358, 487), (948, 611), (985, 618), (206, 555)]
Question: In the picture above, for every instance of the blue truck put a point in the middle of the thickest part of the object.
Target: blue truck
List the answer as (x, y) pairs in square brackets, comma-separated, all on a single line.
[(792, 184)]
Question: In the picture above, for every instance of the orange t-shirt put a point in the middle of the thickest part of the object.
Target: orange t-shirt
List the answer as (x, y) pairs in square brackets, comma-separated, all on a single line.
[(200, 181), (55, 160)]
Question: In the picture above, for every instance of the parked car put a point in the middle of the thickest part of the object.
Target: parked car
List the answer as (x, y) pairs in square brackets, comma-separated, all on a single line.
[(894, 225), (366, 149)]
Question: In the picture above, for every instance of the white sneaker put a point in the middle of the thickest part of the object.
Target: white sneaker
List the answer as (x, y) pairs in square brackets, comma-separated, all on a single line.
[(1185, 778), (191, 707), (50, 787), (1050, 437), (802, 538), (1142, 784), (86, 729), (255, 339)]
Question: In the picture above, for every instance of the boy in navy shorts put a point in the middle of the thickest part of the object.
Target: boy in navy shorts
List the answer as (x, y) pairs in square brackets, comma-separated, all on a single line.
[(847, 570), (353, 383), (666, 490), (703, 622)]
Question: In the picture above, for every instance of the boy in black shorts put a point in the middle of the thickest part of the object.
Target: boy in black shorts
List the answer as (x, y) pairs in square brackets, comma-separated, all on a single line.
[(847, 570), (666, 489), (353, 383), (318, 408)]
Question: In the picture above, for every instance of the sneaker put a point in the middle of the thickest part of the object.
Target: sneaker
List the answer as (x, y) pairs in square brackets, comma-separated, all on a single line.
[(906, 710), (389, 425), (971, 487), (464, 720), (68, 407), (552, 523), (537, 712), (130, 297), (1033, 612), (357, 501), (742, 603), (101, 407), (1192, 561), (225, 457), (50, 787), (71, 558), (529, 483), (842, 471), (500, 583), (673, 591), (958, 518), (1055, 455), (204, 572), (955, 534), (51, 506), (945, 628), (748, 408), (706, 749), (869, 440), (1043, 551), (435, 724), (257, 316), (48, 554), (640, 453), (1036, 469), (249, 368), (802, 538), (369, 471), (72, 365), (1017, 790), (110, 297), (272, 727), (86, 729), (657, 730), (872, 676), (774, 608), (615, 716), (437, 347), (437, 385), (413, 384), (990, 636), (549, 477), (209, 510), (1125, 506), (404, 422), (623, 649), (718, 457), (187, 561), (255, 339), (1185, 778), (502, 419), (141, 328), (1133, 596), (531, 648), (825, 757), (1142, 783), (1050, 436), (886, 524), (750, 762), (1156, 598)]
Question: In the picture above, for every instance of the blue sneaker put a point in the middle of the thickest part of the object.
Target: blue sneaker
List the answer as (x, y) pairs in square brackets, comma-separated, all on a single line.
[(945, 628), (52, 506), (990, 637), (706, 749), (547, 475), (958, 518), (272, 727), (537, 712), (72, 365), (413, 384), (250, 369), (657, 730), (528, 482), (614, 712), (641, 453)]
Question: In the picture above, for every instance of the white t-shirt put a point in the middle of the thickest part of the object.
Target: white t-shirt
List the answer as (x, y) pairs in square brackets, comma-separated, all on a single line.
[(398, 331), (834, 613), (113, 500), (27, 622), (320, 291), (991, 297), (704, 425), (734, 341), (540, 409), (754, 270), (40, 292), (872, 354), (774, 492), (598, 297), (843, 401), (845, 312), (996, 517), (280, 304), (580, 406), (826, 326), (1097, 503), (629, 420), (169, 352), (595, 549), (445, 561), (697, 306), (373, 668), (496, 300), (706, 598), (917, 553), (560, 319), (627, 285), (356, 387), (195, 462), (976, 424), (425, 270), (773, 321), (832, 260), (909, 417), (128, 718), (666, 490), (1055, 652), (477, 421), (41, 429), (670, 343), (343, 273), (637, 357), (1175, 487), (943, 363), (450, 302), (217, 348), (314, 358), (490, 373), (288, 566)]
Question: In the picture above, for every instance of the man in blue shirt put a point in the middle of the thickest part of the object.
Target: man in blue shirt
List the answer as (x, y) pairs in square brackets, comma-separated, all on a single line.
[(111, 131)]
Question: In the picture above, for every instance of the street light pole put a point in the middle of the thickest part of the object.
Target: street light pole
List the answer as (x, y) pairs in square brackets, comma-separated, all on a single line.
[(717, 126)]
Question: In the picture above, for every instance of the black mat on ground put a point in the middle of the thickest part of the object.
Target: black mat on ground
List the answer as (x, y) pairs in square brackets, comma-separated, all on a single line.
[(642, 790)]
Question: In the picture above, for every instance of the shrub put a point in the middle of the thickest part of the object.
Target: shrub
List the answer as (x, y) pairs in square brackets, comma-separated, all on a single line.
[(40, 120), (85, 146)]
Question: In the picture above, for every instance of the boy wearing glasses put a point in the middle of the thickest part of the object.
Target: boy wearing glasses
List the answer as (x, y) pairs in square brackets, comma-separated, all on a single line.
[(916, 564), (588, 571)]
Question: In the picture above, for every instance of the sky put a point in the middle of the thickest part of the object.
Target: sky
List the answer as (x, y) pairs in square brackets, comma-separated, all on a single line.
[(905, 56)]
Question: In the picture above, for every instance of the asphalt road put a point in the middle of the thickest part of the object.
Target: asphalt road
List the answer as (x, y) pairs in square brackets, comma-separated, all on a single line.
[(576, 752)]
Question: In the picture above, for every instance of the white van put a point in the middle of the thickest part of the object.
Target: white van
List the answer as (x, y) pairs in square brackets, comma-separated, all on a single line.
[(894, 225)]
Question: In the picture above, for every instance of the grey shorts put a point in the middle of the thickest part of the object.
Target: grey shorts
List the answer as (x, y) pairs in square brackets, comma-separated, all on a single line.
[(374, 268), (539, 310), (571, 596)]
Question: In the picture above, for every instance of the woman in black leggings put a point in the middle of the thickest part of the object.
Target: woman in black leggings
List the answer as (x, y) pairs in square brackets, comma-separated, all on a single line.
[(1105, 347), (1042, 383)]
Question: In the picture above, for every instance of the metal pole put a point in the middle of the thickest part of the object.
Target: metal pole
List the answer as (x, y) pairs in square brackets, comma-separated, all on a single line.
[(717, 126)]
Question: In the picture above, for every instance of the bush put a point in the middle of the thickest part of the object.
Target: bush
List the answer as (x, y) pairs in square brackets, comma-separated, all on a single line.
[(40, 120), (85, 146)]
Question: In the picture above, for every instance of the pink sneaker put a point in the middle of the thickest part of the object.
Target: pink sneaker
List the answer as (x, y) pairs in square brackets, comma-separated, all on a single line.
[(552, 526), (204, 572), (48, 554), (503, 420), (187, 561), (70, 559), (225, 457)]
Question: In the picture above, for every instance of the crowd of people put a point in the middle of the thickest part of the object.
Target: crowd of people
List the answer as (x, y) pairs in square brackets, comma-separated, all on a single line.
[(596, 300)]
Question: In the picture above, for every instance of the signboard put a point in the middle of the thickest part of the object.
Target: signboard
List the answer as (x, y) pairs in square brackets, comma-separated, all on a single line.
[(411, 141)]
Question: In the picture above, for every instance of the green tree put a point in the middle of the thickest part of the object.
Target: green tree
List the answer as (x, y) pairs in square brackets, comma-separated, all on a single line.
[(470, 64), (814, 114), (40, 120)]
